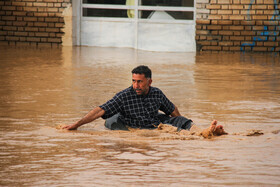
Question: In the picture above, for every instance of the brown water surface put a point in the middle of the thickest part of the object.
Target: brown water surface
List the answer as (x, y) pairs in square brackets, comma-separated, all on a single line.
[(41, 88)]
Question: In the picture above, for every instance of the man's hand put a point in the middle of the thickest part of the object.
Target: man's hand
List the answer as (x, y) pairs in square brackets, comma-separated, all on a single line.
[(71, 127), (175, 112), (91, 116)]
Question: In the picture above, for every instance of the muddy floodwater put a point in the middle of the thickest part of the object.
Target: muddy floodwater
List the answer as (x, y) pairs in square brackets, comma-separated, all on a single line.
[(41, 88)]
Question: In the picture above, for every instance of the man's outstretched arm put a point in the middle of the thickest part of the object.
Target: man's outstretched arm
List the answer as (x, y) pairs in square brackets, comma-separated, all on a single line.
[(91, 116)]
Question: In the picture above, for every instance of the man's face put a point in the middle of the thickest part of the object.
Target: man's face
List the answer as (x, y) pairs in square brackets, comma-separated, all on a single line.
[(141, 84)]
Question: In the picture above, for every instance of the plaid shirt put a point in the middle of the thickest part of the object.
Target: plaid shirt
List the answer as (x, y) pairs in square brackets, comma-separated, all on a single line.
[(138, 111)]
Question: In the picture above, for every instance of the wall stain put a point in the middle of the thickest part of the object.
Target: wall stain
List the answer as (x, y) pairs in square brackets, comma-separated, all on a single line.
[(266, 35)]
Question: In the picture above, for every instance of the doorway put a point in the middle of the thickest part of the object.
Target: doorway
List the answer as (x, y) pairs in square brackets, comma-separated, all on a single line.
[(153, 25)]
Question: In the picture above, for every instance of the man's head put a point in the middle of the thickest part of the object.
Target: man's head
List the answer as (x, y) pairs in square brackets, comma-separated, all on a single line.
[(142, 70), (141, 79)]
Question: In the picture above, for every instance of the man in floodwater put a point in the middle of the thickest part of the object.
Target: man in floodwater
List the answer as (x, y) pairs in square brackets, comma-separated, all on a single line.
[(138, 107)]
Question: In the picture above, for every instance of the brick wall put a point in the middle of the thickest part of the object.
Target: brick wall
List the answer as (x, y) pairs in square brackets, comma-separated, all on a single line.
[(202, 12), (221, 25), (32, 22), (238, 25)]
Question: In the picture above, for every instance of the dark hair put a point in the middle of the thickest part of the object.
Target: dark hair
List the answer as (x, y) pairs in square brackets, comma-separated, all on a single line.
[(142, 70)]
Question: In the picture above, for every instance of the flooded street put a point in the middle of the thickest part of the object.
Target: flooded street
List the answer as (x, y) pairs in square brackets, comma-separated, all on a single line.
[(42, 88)]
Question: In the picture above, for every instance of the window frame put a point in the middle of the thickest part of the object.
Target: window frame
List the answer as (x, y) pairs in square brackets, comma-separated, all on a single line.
[(136, 9)]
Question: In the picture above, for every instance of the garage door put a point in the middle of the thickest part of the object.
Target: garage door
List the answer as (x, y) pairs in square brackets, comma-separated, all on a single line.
[(154, 25)]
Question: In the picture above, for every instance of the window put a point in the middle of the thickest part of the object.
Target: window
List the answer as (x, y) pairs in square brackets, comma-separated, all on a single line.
[(107, 2), (146, 9), (178, 3)]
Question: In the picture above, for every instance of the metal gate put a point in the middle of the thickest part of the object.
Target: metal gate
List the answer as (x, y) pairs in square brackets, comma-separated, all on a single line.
[(154, 25)]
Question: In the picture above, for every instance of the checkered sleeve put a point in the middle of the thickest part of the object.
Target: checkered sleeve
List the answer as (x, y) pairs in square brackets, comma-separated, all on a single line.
[(112, 107), (166, 105)]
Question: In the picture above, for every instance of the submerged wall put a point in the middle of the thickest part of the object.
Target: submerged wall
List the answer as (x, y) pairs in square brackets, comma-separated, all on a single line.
[(238, 25), (33, 22)]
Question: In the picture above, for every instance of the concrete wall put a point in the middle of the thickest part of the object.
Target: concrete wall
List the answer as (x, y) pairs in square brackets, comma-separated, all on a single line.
[(238, 25), (35, 22)]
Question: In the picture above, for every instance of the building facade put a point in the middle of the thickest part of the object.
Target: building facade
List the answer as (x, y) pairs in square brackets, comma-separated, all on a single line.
[(154, 25)]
